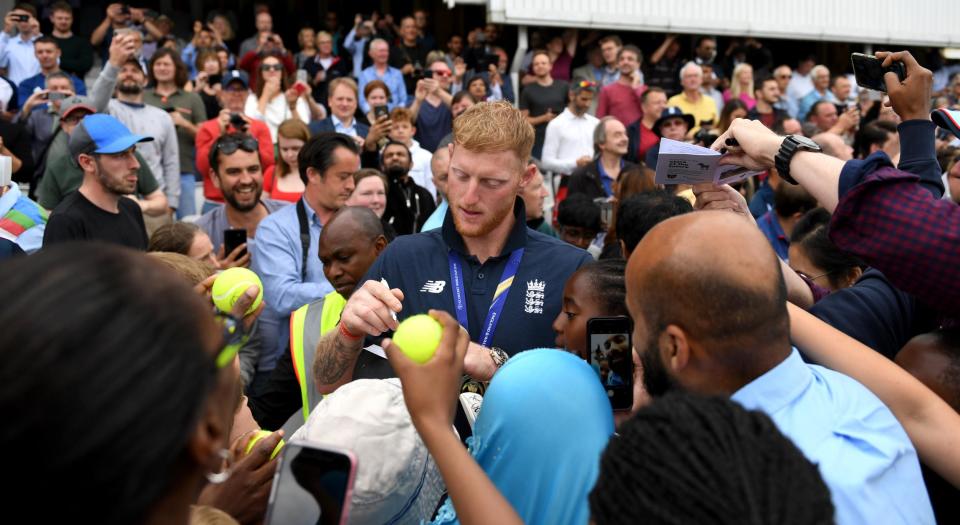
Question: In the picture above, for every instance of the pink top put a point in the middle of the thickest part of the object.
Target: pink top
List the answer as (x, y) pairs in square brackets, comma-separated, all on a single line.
[(747, 99)]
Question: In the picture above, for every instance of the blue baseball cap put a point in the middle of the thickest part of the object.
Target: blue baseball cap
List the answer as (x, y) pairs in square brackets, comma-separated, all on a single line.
[(100, 133), (947, 119), (235, 76)]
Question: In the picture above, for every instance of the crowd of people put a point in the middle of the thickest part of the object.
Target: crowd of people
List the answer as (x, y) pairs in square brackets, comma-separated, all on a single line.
[(794, 336)]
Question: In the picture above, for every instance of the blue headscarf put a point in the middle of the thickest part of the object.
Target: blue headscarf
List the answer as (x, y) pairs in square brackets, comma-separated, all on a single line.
[(544, 422)]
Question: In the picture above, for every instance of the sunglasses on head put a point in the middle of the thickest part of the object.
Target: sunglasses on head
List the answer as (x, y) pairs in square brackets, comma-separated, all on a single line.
[(228, 145), (271, 67)]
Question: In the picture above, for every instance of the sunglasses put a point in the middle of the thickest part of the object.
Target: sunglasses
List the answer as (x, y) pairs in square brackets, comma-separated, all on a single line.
[(271, 67), (441, 73), (229, 145), (587, 84), (234, 338)]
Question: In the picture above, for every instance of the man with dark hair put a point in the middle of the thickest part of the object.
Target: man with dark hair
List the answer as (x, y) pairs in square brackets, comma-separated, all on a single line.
[(641, 212), (879, 135), (705, 53), (99, 210), (541, 100), (348, 245), (640, 134), (737, 343), (20, 29), (790, 203), (39, 115), (76, 52), (686, 433), (409, 205), (236, 171), (48, 56), (579, 220), (409, 55), (285, 255), (568, 140), (233, 95), (622, 98), (123, 71), (767, 94)]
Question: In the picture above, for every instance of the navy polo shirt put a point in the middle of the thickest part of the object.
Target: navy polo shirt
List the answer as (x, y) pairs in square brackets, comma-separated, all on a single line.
[(419, 265)]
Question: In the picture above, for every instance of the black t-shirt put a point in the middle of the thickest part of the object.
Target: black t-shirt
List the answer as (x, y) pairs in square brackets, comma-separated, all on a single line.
[(78, 219), (408, 206), (402, 55), (536, 99)]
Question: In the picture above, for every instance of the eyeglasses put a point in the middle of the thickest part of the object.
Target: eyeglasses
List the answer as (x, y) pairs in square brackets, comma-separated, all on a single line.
[(271, 67), (230, 144), (234, 338)]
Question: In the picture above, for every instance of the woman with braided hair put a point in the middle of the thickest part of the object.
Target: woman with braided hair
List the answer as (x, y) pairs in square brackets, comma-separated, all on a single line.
[(693, 459)]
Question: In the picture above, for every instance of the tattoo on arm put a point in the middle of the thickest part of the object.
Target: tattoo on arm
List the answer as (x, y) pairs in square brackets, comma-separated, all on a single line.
[(335, 357)]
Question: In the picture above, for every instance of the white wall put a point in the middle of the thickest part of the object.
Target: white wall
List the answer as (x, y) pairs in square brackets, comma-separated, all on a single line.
[(904, 22)]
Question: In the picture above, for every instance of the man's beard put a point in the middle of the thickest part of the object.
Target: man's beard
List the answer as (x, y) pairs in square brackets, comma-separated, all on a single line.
[(482, 229), (130, 88), (231, 199), (656, 379), (395, 173), (114, 186)]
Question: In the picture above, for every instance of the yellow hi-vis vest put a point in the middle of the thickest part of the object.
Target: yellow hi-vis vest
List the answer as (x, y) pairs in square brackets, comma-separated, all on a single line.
[(304, 335)]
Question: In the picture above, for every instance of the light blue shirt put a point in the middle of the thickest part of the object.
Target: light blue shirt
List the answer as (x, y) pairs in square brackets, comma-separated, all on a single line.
[(277, 259), (355, 46), (340, 127), (16, 54), (393, 78), (863, 453), (811, 98), (436, 218), (30, 240)]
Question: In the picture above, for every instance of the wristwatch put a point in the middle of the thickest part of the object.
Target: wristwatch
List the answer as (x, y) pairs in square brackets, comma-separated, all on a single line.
[(790, 146), (499, 357)]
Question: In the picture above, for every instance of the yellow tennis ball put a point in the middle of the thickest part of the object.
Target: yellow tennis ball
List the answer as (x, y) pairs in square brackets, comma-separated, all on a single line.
[(418, 337), (257, 437), (231, 284)]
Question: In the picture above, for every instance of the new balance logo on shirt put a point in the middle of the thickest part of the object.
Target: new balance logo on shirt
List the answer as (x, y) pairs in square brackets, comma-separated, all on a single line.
[(434, 286)]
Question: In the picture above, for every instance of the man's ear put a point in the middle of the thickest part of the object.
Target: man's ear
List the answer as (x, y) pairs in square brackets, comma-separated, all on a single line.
[(528, 174), (86, 162), (313, 175), (215, 179), (674, 347), (379, 244)]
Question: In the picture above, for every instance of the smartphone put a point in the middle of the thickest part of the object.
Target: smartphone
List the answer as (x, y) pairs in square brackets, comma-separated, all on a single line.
[(869, 71), (124, 9), (56, 95), (21, 18), (313, 485), (610, 353), (302, 76), (300, 88), (606, 209), (233, 237), (214, 79), (380, 111), (427, 73), (170, 110)]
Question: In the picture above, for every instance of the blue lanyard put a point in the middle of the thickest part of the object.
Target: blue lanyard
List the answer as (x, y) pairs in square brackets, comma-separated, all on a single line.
[(499, 296)]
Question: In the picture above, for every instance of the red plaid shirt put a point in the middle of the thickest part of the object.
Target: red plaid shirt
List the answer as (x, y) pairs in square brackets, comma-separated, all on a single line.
[(897, 226)]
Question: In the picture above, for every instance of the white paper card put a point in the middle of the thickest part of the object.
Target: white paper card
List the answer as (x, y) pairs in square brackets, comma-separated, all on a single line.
[(682, 163), (6, 170)]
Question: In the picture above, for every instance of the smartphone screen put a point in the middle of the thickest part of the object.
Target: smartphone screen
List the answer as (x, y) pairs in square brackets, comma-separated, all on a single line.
[(312, 485), (610, 351), (380, 111), (232, 238)]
